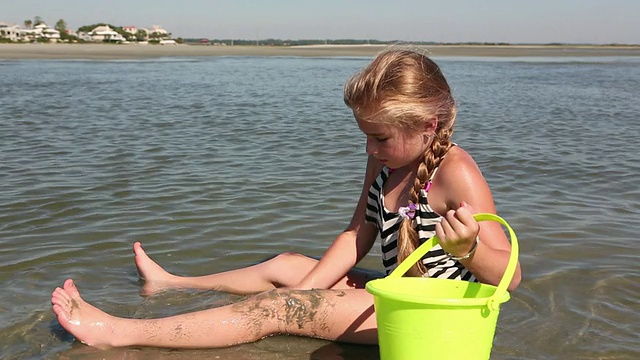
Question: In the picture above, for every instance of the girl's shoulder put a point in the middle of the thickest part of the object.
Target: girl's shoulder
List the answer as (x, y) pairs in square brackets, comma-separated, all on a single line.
[(458, 179), (457, 159), (458, 170)]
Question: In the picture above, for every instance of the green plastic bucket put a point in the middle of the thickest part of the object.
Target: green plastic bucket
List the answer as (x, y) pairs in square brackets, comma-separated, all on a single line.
[(430, 318)]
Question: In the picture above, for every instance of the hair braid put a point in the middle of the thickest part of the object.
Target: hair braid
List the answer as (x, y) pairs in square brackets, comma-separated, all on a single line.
[(408, 237)]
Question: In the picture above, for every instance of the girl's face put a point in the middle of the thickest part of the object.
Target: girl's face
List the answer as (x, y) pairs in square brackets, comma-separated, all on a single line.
[(395, 147)]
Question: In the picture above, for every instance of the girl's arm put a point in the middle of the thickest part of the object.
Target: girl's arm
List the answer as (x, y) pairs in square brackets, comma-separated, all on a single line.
[(461, 192), (350, 246)]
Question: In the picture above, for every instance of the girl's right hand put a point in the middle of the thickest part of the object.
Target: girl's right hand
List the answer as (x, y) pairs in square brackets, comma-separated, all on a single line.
[(457, 231)]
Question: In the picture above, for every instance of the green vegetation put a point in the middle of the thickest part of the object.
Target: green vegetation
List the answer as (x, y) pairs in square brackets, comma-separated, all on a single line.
[(3, 39), (37, 21), (61, 26), (140, 35)]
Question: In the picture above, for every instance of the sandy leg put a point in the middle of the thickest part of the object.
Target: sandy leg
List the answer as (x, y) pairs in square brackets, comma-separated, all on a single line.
[(345, 315)]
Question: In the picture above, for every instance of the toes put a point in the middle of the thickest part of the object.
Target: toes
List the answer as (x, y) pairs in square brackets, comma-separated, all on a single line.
[(60, 297), (60, 311), (137, 248), (71, 288), (61, 303)]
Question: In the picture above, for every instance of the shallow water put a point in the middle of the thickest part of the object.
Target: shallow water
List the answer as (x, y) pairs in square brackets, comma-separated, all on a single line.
[(218, 163)]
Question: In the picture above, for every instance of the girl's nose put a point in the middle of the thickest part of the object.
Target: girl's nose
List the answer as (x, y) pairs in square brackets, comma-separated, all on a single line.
[(371, 150)]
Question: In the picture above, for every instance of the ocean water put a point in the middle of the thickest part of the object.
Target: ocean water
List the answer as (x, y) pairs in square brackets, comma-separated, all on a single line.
[(217, 163)]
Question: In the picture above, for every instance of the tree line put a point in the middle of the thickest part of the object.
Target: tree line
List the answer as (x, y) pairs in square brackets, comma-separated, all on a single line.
[(61, 27)]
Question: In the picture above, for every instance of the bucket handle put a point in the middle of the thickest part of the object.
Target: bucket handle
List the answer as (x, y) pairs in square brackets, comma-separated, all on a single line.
[(493, 303)]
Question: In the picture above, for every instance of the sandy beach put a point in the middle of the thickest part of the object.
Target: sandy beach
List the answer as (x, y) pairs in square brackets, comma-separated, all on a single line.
[(134, 51)]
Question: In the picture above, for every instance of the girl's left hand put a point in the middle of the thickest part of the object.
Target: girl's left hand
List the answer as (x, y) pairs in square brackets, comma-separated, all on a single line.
[(458, 230)]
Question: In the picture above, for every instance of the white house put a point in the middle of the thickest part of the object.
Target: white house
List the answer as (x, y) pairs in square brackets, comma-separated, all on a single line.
[(105, 33), (130, 29), (158, 32), (16, 33), (10, 31), (134, 30), (42, 30), (158, 29)]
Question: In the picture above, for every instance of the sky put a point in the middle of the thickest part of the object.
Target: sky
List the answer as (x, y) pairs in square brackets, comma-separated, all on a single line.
[(509, 21)]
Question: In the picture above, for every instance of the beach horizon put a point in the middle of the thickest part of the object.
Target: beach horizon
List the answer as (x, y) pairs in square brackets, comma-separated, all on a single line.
[(139, 51)]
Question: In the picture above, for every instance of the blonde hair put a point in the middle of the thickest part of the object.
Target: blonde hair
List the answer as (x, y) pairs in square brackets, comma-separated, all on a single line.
[(404, 88)]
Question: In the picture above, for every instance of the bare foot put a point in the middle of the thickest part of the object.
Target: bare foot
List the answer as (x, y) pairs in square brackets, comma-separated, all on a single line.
[(155, 277), (87, 323)]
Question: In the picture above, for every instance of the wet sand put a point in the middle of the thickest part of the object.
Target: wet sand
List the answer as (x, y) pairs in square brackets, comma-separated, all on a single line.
[(134, 51)]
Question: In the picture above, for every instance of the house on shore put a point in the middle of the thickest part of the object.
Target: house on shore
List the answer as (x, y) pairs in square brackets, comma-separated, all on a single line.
[(130, 29), (101, 33), (140, 34), (17, 34), (10, 31), (105, 33), (157, 32), (43, 31)]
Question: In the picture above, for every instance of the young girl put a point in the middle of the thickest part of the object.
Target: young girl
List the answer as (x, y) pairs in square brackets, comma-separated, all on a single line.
[(417, 184)]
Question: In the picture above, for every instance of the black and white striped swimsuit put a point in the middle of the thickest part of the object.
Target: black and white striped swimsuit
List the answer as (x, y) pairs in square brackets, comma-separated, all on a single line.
[(437, 263)]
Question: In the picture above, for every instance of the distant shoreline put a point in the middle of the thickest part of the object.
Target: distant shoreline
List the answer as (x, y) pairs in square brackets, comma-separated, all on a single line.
[(135, 51)]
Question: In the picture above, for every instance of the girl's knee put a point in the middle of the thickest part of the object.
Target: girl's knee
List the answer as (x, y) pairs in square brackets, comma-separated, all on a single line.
[(278, 269), (295, 311), (289, 258)]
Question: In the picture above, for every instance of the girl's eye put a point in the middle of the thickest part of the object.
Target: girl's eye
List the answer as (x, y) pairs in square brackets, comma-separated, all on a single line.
[(382, 139)]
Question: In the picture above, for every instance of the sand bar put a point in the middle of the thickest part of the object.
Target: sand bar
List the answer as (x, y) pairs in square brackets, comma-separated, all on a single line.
[(135, 51)]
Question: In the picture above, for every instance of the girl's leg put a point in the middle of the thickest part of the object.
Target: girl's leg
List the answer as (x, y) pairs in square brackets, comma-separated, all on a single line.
[(273, 273), (343, 315)]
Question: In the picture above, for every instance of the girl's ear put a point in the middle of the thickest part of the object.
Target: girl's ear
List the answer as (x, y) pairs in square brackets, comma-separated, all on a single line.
[(430, 127)]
